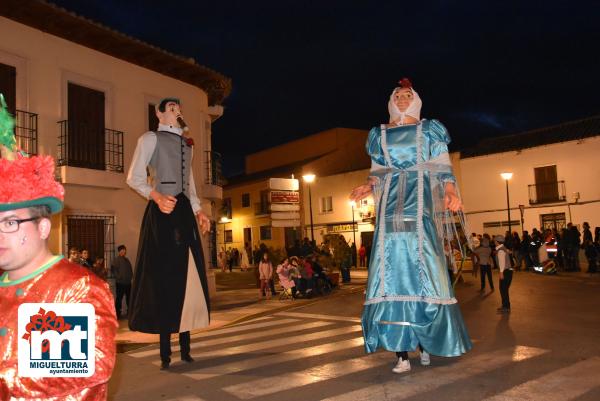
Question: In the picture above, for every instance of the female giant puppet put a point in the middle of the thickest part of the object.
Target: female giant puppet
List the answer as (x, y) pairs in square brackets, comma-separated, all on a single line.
[(170, 290), (409, 300)]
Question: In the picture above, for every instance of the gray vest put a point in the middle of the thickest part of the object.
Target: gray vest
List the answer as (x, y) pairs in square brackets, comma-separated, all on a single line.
[(170, 164), (506, 256)]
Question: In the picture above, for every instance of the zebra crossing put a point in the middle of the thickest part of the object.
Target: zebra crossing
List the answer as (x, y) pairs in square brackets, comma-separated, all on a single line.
[(303, 356)]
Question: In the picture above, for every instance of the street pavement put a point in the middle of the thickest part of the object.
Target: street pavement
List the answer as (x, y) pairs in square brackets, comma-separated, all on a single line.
[(546, 349), (237, 300)]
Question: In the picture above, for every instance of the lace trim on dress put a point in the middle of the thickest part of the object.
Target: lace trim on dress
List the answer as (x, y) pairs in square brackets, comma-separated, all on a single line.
[(411, 298)]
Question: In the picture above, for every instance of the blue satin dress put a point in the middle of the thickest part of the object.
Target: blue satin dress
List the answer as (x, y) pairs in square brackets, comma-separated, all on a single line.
[(410, 299)]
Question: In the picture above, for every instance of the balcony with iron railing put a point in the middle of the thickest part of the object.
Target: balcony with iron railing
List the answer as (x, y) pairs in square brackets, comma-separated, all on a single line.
[(262, 209), (547, 192), (213, 176), (213, 168), (26, 131), (92, 147)]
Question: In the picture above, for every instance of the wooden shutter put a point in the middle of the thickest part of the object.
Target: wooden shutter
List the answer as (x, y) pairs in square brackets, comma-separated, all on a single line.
[(8, 86), (546, 184), (86, 133)]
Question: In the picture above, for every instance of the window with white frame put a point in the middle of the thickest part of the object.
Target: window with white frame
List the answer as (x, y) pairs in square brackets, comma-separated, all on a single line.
[(327, 204)]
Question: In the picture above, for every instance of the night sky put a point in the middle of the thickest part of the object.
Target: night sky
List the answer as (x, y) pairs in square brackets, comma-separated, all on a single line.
[(484, 68)]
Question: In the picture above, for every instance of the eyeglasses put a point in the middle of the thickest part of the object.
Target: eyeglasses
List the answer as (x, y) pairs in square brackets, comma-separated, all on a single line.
[(12, 225)]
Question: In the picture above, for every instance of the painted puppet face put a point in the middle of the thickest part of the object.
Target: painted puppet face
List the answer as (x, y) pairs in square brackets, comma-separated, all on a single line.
[(169, 116), (403, 97)]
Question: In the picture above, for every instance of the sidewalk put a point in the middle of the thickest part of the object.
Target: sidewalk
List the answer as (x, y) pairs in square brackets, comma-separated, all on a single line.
[(236, 302)]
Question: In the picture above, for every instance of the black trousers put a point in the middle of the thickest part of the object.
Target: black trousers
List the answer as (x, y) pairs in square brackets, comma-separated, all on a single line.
[(486, 270), (123, 291), (165, 345), (504, 286)]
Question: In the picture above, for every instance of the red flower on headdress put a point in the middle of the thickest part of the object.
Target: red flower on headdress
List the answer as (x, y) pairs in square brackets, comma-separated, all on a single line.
[(28, 178), (189, 141), (405, 83)]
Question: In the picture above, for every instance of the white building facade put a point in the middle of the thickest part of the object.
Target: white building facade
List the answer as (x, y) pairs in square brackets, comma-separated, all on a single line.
[(87, 107), (553, 185), (333, 213)]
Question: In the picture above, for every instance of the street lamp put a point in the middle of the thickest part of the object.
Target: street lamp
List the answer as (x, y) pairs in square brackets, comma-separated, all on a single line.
[(506, 177), (224, 220), (352, 203), (309, 178)]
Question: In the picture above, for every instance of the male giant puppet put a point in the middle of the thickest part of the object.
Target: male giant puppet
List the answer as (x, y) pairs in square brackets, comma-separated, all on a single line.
[(29, 273), (170, 291)]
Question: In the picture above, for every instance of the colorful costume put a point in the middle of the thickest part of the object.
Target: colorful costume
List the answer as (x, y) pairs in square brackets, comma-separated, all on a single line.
[(24, 183), (409, 299), (59, 281)]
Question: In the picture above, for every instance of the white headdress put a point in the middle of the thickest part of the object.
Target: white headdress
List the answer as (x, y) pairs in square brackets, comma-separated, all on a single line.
[(413, 110)]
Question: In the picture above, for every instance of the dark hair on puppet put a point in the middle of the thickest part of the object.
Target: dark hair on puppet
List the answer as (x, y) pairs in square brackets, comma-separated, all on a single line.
[(162, 106)]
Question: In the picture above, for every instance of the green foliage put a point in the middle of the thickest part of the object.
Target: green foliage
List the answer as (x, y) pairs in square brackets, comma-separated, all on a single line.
[(7, 123)]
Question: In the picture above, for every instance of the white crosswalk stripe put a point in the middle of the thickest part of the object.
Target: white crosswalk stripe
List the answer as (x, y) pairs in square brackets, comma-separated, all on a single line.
[(262, 387), (236, 367), (262, 345), (220, 333), (415, 383), (560, 385)]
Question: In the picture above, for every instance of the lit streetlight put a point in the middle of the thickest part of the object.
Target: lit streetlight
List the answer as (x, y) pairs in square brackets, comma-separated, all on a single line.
[(506, 177), (224, 220), (309, 178)]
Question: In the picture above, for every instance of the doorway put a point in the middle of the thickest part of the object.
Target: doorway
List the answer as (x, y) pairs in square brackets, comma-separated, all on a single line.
[(292, 234), (248, 236)]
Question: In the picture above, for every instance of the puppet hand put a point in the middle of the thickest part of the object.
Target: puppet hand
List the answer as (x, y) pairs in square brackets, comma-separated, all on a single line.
[(452, 202), (166, 203), (203, 222), (364, 190), (360, 192)]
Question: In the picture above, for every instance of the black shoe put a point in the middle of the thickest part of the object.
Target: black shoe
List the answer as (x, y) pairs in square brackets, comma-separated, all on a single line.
[(164, 365), (187, 358)]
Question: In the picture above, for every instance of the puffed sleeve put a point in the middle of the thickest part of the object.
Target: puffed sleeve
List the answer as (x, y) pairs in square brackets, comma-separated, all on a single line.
[(438, 149), (374, 150)]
